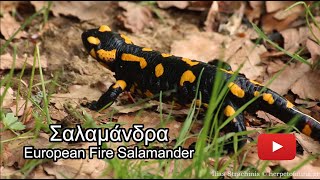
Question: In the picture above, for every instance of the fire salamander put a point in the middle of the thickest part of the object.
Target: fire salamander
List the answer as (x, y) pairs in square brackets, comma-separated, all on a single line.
[(143, 70)]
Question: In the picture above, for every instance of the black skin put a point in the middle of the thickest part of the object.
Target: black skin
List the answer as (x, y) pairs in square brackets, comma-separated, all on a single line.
[(132, 73)]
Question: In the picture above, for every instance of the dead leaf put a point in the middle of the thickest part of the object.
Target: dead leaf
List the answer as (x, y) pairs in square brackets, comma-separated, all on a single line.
[(177, 4), (283, 14), (272, 6), (19, 107), (291, 39), (248, 55), (269, 23), (10, 173), (308, 171), (7, 60), (80, 168), (288, 77), (86, 11), (307, 103), (211, 23), (136, 17), (9, 26), (308, 144), (209, 46), (234, 22), (255, 12), (8, 98), (314, 50), (307, 87)]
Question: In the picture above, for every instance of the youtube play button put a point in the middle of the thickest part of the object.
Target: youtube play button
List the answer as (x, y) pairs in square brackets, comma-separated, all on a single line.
[(276, 146)]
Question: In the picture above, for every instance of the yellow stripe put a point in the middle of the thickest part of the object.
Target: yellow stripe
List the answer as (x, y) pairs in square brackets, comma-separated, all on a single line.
[(120, 83), (107, 55), (307, 130), (104, 28), (187, 76), (134, 58), (289, 105), (146, 49), (190, 62), (165, 55), (268, 97), (255, 82), (229, 111), (236, 90), (126, 39), (159, 70), (93, 40), (93, 53)]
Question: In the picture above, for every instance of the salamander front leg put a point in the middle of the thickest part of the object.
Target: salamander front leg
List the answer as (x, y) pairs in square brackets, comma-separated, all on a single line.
[(108, 97), (237, 124)]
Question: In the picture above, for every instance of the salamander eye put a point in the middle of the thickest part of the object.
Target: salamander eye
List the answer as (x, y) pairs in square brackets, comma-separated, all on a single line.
[(93, 40), (104, 28)]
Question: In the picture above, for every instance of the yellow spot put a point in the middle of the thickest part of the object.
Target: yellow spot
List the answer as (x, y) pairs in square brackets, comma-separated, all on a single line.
[(159, 70), (255, 82), (205, 105), (229, 72), (107, 55), (229, 111), (236, 90), (132, 89), (256, 93), (289, 104), (104, 28), (165, 55), (190, 62), (133, 58), (198, 102), (187, 76), (146, 49), (120, 83), (148, 93), (93, 40), (126, 39), (268, 97), (93, 53), (307, 130)]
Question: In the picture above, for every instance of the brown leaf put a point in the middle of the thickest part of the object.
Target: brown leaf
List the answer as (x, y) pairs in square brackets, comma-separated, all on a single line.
[(272, 6), (308, 171), (314, 50), (269, 23), (308, 144), (248, 55), (20, 107), (7, 60), (177, 4), (80, 168), (9, 26), (288, 77), (8, 98), (83, 10), (255, 12), (234, 22), (136, 17), (209, 46), (307, 87), (210, 23), (283, 14), (77, 92)]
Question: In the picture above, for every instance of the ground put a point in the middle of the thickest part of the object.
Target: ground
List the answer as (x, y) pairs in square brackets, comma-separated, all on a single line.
[(35, 94)]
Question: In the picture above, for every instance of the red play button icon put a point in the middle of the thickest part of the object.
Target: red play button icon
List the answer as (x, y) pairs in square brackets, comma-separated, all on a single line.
[(276, 146)]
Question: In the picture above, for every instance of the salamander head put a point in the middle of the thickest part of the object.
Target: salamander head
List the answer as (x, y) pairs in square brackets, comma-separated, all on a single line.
[(102, 44)]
